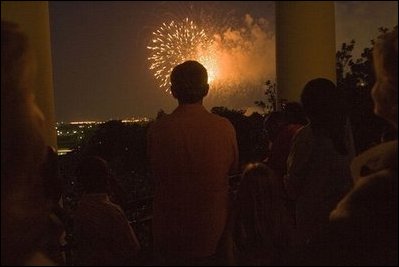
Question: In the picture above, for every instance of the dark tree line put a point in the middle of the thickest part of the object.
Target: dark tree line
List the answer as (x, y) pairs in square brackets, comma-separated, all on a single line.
[(356, 77)]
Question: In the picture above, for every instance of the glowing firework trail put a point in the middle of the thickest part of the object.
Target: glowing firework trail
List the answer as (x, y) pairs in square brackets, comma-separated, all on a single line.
[(175, 43)]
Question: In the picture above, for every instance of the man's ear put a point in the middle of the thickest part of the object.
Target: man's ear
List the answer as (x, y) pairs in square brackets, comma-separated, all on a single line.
[(206, 89), (172, 90)]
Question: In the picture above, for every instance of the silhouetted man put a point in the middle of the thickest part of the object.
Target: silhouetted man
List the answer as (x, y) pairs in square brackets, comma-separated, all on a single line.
[(191, 154)]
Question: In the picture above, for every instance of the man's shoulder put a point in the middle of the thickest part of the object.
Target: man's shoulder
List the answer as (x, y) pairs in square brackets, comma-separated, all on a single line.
[(205, 117), (222, 124), (159, 122), (220, 119)]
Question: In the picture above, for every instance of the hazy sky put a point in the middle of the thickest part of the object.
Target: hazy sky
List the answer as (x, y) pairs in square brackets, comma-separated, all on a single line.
[(99, 49)]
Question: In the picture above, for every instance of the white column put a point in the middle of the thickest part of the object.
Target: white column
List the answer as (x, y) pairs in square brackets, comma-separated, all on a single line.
[(305, 45)]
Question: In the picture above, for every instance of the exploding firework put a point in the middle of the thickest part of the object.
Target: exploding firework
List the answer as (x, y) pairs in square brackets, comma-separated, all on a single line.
[(175, 43), (238, 60)]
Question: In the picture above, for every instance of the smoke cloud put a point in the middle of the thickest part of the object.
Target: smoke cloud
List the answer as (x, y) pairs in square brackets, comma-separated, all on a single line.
[(246, 60)]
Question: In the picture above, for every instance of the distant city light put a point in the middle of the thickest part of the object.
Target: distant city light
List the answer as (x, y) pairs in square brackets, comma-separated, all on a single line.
[(85, 122), (70, 135), (61, 152)]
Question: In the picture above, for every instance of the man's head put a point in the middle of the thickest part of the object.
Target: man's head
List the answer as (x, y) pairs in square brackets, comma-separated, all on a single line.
[(93, 175), (189, 82), (321, 100)]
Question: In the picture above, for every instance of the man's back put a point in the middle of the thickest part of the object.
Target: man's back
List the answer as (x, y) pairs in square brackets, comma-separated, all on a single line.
[(191, 153)]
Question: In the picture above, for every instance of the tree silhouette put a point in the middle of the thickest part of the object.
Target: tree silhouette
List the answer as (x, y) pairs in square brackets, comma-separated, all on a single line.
[(271, 98), (356, 78)]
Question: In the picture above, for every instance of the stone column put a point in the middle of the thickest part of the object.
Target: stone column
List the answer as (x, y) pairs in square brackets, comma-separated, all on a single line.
[(305, 45), (33, 19)]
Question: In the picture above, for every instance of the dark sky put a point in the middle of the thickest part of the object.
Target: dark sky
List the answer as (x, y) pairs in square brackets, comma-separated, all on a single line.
[(100, 50)]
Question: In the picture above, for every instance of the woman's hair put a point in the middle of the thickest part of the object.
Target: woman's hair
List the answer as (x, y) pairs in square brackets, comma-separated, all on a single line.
[(386, 49), (385, 91)]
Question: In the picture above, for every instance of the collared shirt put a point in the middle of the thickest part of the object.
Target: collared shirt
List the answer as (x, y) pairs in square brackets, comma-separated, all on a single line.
[(191, 154), (102, 233)]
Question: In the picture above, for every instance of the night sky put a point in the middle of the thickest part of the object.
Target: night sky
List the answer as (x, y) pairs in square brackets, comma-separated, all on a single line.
[(100, 51)]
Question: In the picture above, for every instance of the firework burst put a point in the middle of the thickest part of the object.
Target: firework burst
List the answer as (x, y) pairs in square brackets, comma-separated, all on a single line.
[(175, 43), (238, 59)]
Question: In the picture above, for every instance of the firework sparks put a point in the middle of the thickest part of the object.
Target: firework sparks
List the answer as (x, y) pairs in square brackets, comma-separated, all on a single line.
[(237, 59), (175, 43)]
